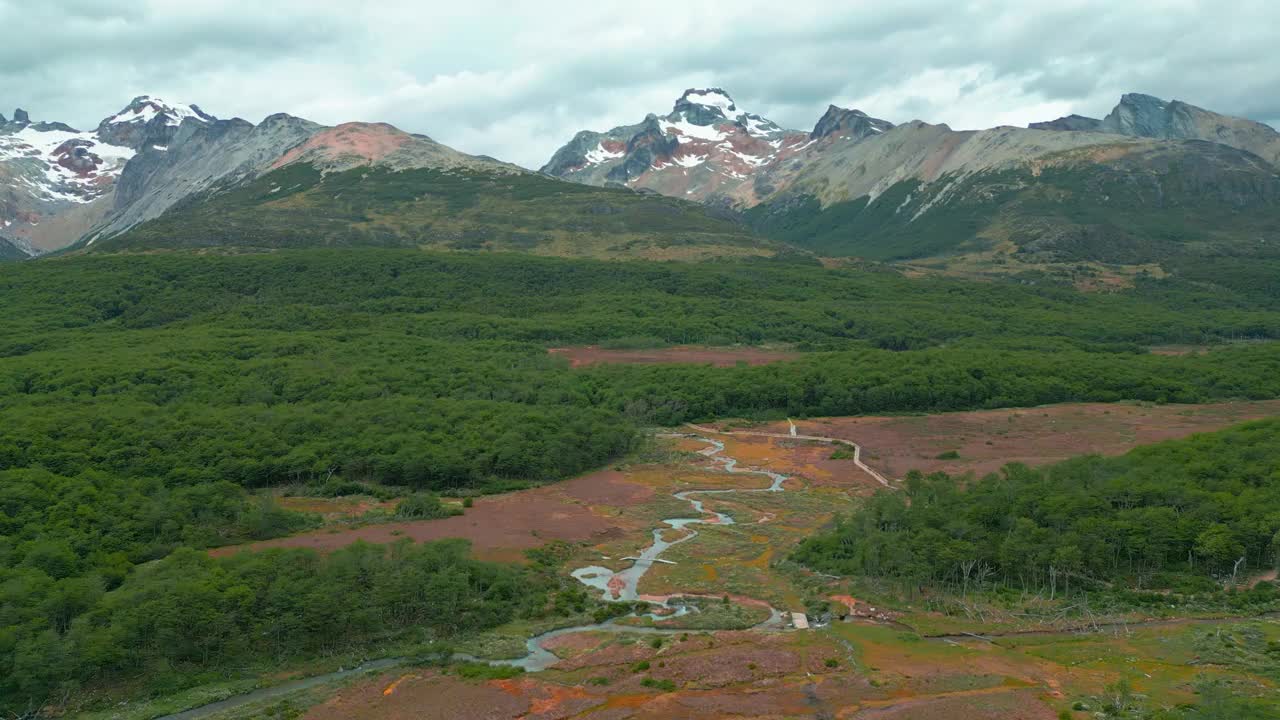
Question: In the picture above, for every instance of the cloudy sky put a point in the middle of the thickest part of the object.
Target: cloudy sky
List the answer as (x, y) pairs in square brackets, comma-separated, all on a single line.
[(516, 78)]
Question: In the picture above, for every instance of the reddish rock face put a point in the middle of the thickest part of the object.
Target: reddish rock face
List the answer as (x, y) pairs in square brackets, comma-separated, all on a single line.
[(365, 142), (76, 156)]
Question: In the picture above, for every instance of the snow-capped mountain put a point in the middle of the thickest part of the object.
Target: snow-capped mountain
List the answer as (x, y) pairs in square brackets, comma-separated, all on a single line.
[(856, 185), (709, 150), (706, 149), (148, 120), (57, 181), (59, 185)]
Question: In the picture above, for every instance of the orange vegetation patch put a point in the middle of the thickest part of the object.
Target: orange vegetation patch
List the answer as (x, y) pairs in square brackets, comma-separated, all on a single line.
[(720, 357), (576, 643), (728, 674), (990, 704), (988, 439), (807, 460), (500, 527), (740, 599), (431, 695)]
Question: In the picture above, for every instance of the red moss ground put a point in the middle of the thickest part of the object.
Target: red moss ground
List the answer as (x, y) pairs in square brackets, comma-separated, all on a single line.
[(501, 527), (988, 439), (720, 357), (728, 674)]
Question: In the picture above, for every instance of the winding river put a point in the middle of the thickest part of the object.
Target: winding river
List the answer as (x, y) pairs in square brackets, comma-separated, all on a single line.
[(622, 585)]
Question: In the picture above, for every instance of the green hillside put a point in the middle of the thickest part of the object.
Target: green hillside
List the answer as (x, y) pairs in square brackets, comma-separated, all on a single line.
[(299, 206)]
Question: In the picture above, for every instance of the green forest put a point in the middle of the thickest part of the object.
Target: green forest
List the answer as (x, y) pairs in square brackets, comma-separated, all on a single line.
[(144, 398), (189, 618), (1186, 515)]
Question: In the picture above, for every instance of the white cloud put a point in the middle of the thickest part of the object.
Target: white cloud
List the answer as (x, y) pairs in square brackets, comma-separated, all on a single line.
[(516, 80)]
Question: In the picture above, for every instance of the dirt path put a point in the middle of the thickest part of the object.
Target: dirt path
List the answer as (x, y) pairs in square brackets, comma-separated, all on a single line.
[(857, 449)]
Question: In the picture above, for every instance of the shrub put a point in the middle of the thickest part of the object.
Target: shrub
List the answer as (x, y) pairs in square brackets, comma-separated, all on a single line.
[(663, 685), (424, 506)]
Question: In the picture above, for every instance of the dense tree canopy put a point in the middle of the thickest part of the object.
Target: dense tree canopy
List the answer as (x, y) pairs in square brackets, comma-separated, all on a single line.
[(1153, 518)]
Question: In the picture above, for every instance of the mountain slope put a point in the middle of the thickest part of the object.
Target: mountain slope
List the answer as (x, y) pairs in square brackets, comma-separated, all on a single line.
[(1148, 187), (1132, 203), (200, 156), (9, 251), (473, 205), (1146, 116)]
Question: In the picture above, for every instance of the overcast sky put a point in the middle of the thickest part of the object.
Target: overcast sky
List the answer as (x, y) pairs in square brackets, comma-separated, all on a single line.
[(515, 79)]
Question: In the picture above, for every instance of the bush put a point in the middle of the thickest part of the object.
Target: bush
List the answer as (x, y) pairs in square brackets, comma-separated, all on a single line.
[(663, 685), (424, 506)]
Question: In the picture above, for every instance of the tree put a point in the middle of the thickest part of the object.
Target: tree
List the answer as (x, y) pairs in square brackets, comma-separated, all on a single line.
[(1218, 546)]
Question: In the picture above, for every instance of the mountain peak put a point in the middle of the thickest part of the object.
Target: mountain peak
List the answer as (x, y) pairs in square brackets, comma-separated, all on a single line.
[(1143, 115), (144, 108), (850, 123), (1073, 123), (707, 97), (148, 120), (709, 106)]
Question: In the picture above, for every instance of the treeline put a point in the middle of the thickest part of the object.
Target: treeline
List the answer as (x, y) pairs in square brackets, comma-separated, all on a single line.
[(98, 523), (960, 377), (189, 618), (1185, 514)]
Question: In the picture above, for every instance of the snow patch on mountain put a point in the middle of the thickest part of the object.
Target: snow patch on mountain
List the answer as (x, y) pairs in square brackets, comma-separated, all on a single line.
[(712, 98), (690, 161), (145, 108), (685, 130), (602, 154), (65, 165)]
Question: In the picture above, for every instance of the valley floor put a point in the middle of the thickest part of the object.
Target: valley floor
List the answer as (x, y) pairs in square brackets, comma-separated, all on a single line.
[(725, 659)]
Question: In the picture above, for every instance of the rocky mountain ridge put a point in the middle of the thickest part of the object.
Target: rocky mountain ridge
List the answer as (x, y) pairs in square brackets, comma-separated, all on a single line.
[(59, 185), (703, 150), (1151, 181), (57, 181), (1146, 116)]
